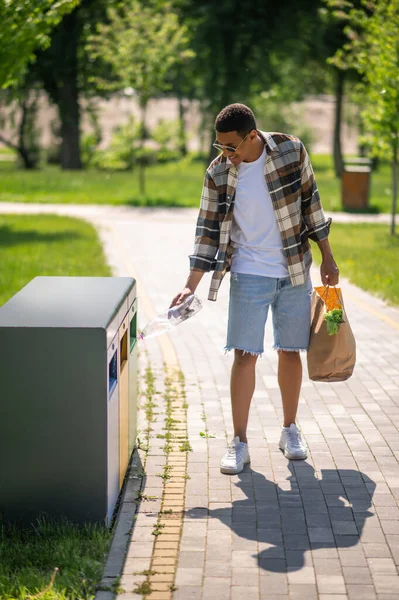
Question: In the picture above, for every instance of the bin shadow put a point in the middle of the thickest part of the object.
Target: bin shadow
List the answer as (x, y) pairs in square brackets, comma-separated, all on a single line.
[(311, 513)]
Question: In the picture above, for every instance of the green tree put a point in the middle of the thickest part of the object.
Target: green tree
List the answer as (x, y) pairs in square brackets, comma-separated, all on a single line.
[(141, 42), (242, 47), (68, 75), (25, 26), (373, 51)]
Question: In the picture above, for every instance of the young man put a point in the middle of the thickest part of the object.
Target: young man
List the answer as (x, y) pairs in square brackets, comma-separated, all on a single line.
[(259, 206)]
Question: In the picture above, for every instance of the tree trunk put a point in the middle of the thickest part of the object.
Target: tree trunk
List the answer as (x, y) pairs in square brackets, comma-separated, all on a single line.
[(394, 185), (28, 161), (362, 148), (337, 150), (58, 69), (69, 112), (182, 128), (21, 151), (142, 178), (142, 186)]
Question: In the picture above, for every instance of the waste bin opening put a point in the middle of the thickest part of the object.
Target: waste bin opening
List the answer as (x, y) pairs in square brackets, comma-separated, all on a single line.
[(113, 373), (133, 331), (123, 350)]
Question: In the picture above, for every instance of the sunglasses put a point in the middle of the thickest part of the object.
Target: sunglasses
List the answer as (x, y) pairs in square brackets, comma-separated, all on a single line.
[(230, 149)]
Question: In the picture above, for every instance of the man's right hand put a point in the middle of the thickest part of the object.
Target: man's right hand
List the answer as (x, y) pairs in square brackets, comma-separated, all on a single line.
[(192, 283), (181, 296)]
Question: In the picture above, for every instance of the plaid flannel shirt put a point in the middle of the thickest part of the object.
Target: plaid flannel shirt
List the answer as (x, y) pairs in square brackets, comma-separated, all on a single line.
[(296, 202)]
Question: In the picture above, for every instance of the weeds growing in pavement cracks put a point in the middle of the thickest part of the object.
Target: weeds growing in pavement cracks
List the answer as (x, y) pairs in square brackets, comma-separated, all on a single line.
[(140, 496), (114, 587), (166, 472), (149, 394), (174, 395), (141, 446), (158, 529), (143, 589), (185, 446), (205, 434)]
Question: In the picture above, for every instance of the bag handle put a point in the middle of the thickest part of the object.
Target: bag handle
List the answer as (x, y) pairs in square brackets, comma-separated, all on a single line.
[(325, 293)]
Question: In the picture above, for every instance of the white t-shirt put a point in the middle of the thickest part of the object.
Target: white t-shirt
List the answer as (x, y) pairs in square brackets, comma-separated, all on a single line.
[(255, 236)]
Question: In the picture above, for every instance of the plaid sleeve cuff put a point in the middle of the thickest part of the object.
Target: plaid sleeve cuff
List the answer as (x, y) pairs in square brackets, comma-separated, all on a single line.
[(319, 233), (202, 263)]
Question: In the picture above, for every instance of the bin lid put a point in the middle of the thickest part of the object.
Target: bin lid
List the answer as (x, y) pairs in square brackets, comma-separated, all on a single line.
[(357, 160), (87, 302), (357, 169)]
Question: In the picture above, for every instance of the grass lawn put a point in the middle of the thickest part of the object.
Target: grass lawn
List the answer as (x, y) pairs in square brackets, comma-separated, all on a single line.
[(28, 559), (368, 256), (172, 184), (33, 245)]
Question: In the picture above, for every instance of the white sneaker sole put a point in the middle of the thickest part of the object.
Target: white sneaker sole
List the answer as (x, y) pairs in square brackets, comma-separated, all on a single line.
[(293, 456), (232, 471)]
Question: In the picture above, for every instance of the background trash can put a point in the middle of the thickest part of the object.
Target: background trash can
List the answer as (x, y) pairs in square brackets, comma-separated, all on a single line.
[(356, 183), (68, 362)]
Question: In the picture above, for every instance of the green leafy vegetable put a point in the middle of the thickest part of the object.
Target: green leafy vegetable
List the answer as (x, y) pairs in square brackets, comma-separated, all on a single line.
[(333, 319)]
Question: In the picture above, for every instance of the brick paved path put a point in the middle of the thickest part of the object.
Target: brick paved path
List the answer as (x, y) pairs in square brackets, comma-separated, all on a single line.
[(325, 528)]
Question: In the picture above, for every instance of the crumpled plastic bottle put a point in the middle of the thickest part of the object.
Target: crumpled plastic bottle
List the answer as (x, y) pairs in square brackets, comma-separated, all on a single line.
[(172, 317)]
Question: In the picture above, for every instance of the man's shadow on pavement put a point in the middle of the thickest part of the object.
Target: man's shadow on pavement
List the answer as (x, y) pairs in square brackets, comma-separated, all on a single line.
[(311, 513)]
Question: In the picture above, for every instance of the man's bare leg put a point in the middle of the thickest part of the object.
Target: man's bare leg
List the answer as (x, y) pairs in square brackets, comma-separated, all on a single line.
[(242, 386), (289, 380)]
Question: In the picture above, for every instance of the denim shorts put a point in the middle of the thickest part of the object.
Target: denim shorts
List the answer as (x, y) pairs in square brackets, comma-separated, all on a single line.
[(250, 298)]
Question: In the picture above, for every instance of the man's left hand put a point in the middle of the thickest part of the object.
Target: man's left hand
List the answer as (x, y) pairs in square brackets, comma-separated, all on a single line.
[(329, 271)]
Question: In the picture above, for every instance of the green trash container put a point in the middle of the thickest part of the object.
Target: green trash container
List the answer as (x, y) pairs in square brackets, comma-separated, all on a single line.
[(68, 361)]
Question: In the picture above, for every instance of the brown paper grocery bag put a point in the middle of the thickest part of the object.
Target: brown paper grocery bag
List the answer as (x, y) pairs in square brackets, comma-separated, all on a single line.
[(330, 357)]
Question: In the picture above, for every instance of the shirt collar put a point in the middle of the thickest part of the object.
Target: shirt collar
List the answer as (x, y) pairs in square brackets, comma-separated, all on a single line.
[(267, 138)]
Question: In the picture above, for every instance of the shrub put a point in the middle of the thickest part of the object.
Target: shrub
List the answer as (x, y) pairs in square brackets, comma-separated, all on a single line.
[(122, 153)]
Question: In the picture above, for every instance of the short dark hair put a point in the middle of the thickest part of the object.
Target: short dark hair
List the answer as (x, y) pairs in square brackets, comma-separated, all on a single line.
[(235, 117)]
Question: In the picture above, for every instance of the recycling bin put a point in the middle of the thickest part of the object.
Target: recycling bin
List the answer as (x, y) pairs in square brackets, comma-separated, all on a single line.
[(355, 185), (69, 395)]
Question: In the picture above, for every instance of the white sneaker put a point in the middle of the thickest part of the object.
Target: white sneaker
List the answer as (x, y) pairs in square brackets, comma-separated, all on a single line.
[(292, 444), (236, 457)]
